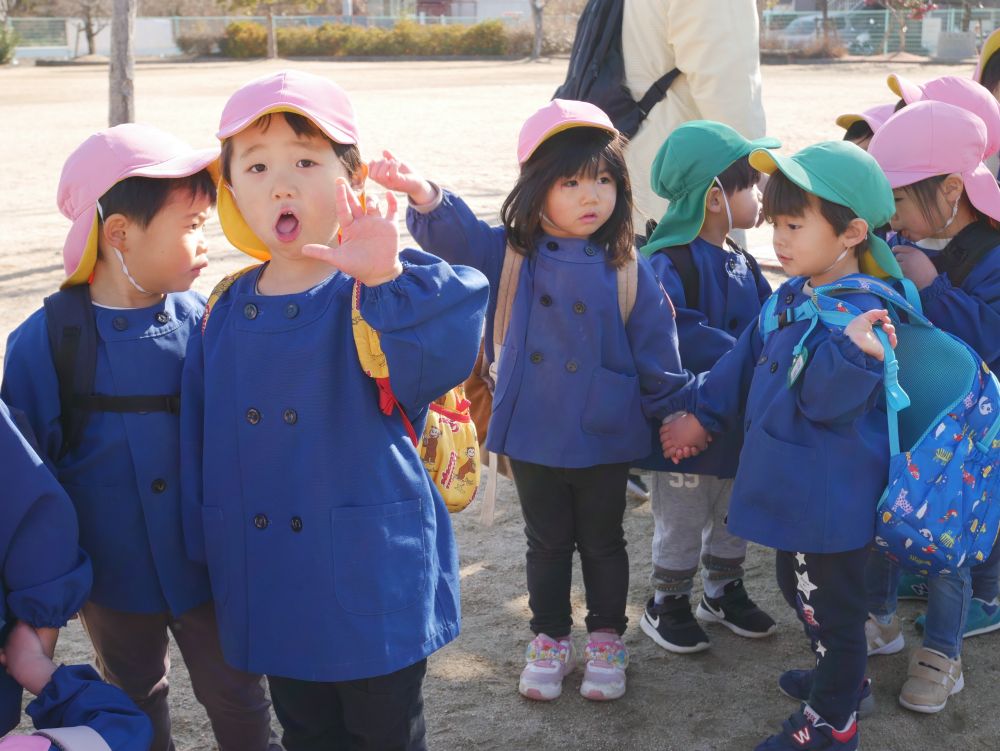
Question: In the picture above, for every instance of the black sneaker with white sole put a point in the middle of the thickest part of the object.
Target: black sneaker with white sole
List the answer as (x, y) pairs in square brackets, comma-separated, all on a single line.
[(737, 612), (671, 625)]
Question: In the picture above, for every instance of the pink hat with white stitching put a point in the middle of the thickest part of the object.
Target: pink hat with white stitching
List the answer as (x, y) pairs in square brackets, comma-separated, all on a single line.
[(930, 138), (105, 159), (555, 117), (960, 92)]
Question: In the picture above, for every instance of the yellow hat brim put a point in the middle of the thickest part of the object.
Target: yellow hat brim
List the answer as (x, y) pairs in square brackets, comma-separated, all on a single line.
[(235, 227), (990, 47), (88, 259)]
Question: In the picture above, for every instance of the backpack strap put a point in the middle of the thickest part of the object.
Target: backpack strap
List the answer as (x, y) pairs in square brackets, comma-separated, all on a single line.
[(510, 275), (628, 284), (72, 333), (966, 250), (683, 260), (657, 92)]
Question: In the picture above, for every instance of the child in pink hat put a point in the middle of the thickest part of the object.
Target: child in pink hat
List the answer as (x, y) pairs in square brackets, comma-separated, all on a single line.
[(584, 348), (97, 371), (332, 557), (932, 154), (860, 127)]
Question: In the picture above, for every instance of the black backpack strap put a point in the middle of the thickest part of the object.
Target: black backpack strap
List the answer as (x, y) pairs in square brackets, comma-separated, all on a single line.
[(748, 256), (683, 260), (657, 92), (72, 332), (966, 250)]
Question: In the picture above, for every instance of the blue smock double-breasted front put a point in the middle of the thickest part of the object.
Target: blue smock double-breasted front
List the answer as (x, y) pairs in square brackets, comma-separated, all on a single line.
[(331, 552), (576, 385)]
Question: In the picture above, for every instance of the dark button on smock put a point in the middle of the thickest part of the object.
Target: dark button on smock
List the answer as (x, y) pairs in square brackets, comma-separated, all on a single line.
[(552, 245), (579, 308), (546, 300), (590, 250), (120, 323), (536, 357), (296, 524), (571, 366), (290, 416), (291, 310), (253, 416), (162, 317), (158, 485), (250, 310), (260, 521), (774, 367)]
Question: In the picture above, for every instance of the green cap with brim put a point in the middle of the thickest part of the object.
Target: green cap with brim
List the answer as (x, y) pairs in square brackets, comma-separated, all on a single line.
[(683, 172), (842, 173)]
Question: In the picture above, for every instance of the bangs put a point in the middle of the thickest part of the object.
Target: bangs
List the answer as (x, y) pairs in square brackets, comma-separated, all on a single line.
[(782, 197), (739, 176), (578, 151)]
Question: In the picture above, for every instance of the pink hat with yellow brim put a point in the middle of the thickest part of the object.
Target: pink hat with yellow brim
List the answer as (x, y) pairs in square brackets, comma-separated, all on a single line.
[(959, 92), (874, 116), (555, 117), (105, 159), (931, 138), (318, 99)]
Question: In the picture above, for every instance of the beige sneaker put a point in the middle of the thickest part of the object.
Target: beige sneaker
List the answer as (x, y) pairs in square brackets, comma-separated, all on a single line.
[(932, 678), (883, 640)]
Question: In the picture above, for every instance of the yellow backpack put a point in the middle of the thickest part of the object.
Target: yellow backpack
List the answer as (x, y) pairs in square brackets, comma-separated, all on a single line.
[(448, 447)]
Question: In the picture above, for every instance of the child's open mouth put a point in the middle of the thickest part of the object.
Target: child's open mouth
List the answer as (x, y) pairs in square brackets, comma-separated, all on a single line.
[(287, 227)]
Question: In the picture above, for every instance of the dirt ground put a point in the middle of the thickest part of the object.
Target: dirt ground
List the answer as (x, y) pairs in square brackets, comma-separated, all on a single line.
[(458, 122)]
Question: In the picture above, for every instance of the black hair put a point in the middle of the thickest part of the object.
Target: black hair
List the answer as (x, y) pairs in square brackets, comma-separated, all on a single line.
[(899, 105), (739, 176), (348, 153), (140, 199), (576, 151), (990, 75), (782, 197), (924, 193), (858, 131)]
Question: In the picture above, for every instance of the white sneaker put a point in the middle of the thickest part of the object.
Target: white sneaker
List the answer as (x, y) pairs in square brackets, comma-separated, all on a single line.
[(883, 639)]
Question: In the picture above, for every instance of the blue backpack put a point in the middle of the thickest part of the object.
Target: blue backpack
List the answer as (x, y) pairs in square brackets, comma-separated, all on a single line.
[(939, 510)]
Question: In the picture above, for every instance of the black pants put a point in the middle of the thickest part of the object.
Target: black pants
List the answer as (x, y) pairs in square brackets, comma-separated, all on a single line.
[(828, 594), (566, 510), (385, 713)]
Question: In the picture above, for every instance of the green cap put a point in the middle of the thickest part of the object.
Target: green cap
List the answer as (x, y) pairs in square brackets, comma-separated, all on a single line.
[(844, 174), (683, 172)]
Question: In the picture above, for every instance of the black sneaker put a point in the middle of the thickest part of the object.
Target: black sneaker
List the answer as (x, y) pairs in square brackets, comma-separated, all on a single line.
[(737, 612), (671, 625), (798, 684)]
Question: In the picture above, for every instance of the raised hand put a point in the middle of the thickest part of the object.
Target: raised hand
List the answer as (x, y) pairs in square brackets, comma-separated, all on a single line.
[(860, 331), (369, 242), (393, 174), (915, 265), (683, 437)]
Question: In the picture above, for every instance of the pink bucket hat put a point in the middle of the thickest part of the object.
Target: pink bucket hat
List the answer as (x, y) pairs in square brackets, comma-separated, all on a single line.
[(874, 116), (105, 159), (320, 100), (934, 138), (555, 117), (960, 92)]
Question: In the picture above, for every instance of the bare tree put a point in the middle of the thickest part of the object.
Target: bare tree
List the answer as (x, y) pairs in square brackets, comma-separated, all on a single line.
[(121, 107), (93, 20), (537, 8)]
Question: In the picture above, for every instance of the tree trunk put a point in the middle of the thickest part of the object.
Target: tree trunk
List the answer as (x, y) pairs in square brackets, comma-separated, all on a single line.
[(966, 16), (824, 7), (536, 15), (122, 99), (90, 33), (272, 37)]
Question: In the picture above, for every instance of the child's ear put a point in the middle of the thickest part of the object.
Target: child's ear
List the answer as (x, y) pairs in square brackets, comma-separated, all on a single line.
[(713, 200), (856, 232), (952, 188), (115, 230), (359, 177)]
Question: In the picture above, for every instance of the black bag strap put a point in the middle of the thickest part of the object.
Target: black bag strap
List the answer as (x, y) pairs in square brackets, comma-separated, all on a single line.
[(657, 92), (72, 333), (683, 260), (966, 250)]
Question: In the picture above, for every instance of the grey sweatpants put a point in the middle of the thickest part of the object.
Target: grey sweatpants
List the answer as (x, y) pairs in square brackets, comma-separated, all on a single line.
[(689, 518)]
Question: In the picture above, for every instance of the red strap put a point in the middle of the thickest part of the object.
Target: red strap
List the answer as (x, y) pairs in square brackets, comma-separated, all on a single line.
[(451, 415), (387, 402)]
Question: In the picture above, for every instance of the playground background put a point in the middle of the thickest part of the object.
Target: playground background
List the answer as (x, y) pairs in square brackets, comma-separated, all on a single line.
[(457, 122)]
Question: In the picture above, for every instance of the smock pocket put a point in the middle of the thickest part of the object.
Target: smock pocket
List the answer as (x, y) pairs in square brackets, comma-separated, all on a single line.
[(777, 503), (502, 371), (379, 563), (216, 550), (609, 405)]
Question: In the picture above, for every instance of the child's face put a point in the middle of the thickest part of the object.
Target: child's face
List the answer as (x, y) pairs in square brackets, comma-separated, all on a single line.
[(862, 143), (284, 185), (806, 245), (169, 253), (745, 206), (579, 206)]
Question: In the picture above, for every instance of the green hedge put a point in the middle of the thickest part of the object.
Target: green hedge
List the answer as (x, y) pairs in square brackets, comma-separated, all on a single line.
[(8, 41), (407, 38)]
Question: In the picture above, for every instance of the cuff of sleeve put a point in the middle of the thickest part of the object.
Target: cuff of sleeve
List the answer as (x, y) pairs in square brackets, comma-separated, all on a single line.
[(853, 354), (431, 205), (935, 289), (50, 605)]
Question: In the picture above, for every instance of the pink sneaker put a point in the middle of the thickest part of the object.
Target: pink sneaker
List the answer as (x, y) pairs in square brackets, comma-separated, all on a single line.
[(604, 675), (549, 661)]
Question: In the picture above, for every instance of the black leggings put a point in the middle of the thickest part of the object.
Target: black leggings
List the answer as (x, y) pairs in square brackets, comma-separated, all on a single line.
[(566, 510)]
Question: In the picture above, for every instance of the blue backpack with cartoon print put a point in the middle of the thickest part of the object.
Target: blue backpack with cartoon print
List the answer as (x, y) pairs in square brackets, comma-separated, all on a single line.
[(939, 511)]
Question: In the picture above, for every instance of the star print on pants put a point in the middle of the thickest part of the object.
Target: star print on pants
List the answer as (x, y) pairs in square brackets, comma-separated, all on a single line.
[(800, 559), (805, 586), (820, 649)]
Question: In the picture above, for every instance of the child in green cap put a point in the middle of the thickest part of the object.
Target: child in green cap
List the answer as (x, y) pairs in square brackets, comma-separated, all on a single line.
[(717, 289), (810, 400)]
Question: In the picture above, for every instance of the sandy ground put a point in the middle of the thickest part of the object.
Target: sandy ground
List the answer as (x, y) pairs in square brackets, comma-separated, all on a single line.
[(458, 123)]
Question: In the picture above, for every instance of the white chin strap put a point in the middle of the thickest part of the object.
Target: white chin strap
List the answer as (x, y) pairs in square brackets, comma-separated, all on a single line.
[(725, 199), (946, 225), (839, 259), (121, 258)]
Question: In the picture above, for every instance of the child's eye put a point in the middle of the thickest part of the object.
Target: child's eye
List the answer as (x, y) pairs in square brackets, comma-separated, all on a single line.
[(572, 183), (305, 163), (606, 180), (256, 168)]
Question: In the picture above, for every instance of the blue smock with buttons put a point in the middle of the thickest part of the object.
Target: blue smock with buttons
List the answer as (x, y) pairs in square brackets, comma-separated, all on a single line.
[(815, 456), (729, 300), (331, 552), (124, 477), (576, 386)]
